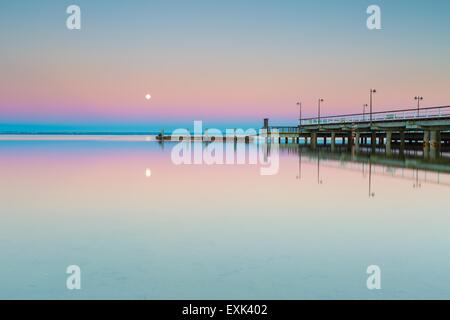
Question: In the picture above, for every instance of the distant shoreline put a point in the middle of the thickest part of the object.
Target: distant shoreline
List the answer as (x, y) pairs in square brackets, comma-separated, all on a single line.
[(6, 133)]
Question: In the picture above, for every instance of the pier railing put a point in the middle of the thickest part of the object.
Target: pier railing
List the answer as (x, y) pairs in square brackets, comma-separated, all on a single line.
[(284, 130), (392, 115), (408, 114)]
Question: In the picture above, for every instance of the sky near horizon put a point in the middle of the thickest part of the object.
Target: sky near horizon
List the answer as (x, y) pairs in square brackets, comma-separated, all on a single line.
[(227, 63)]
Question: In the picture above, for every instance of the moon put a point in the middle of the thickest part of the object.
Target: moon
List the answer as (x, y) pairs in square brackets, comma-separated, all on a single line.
[(148, 96)]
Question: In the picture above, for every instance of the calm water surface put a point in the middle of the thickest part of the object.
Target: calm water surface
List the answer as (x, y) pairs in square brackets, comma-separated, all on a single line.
[(218, 232)]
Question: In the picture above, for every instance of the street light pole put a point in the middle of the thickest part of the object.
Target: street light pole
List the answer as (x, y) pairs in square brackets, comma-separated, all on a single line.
[(300, 113), (318, 111), (364, 111), (372, 91), (418, 98)]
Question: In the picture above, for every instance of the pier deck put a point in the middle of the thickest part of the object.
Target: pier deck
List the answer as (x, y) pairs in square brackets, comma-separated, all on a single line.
[(428, 127)]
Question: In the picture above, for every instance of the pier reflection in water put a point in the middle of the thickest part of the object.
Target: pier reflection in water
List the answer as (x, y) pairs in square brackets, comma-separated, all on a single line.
[(220, 231), (412, 165)]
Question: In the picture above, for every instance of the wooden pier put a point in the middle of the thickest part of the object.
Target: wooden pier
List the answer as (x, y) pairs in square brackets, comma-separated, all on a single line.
[(428, 128)]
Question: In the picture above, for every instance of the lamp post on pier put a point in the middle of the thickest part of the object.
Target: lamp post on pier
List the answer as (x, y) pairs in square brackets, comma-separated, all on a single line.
[(418, 99), (364, 111), (299, 104), (318, 111), (372, 91)]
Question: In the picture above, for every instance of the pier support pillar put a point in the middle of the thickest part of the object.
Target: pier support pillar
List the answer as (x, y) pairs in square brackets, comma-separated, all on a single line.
[(357, 140), (435, 143), (350, 139), (373, 140), (313, 140), (333, 141), (426, 143), (389, 143), (381, 140), (402, 142)]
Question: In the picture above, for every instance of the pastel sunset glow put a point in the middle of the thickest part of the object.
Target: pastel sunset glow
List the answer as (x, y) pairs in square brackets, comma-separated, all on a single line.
[(253, 153), (227, 63)]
